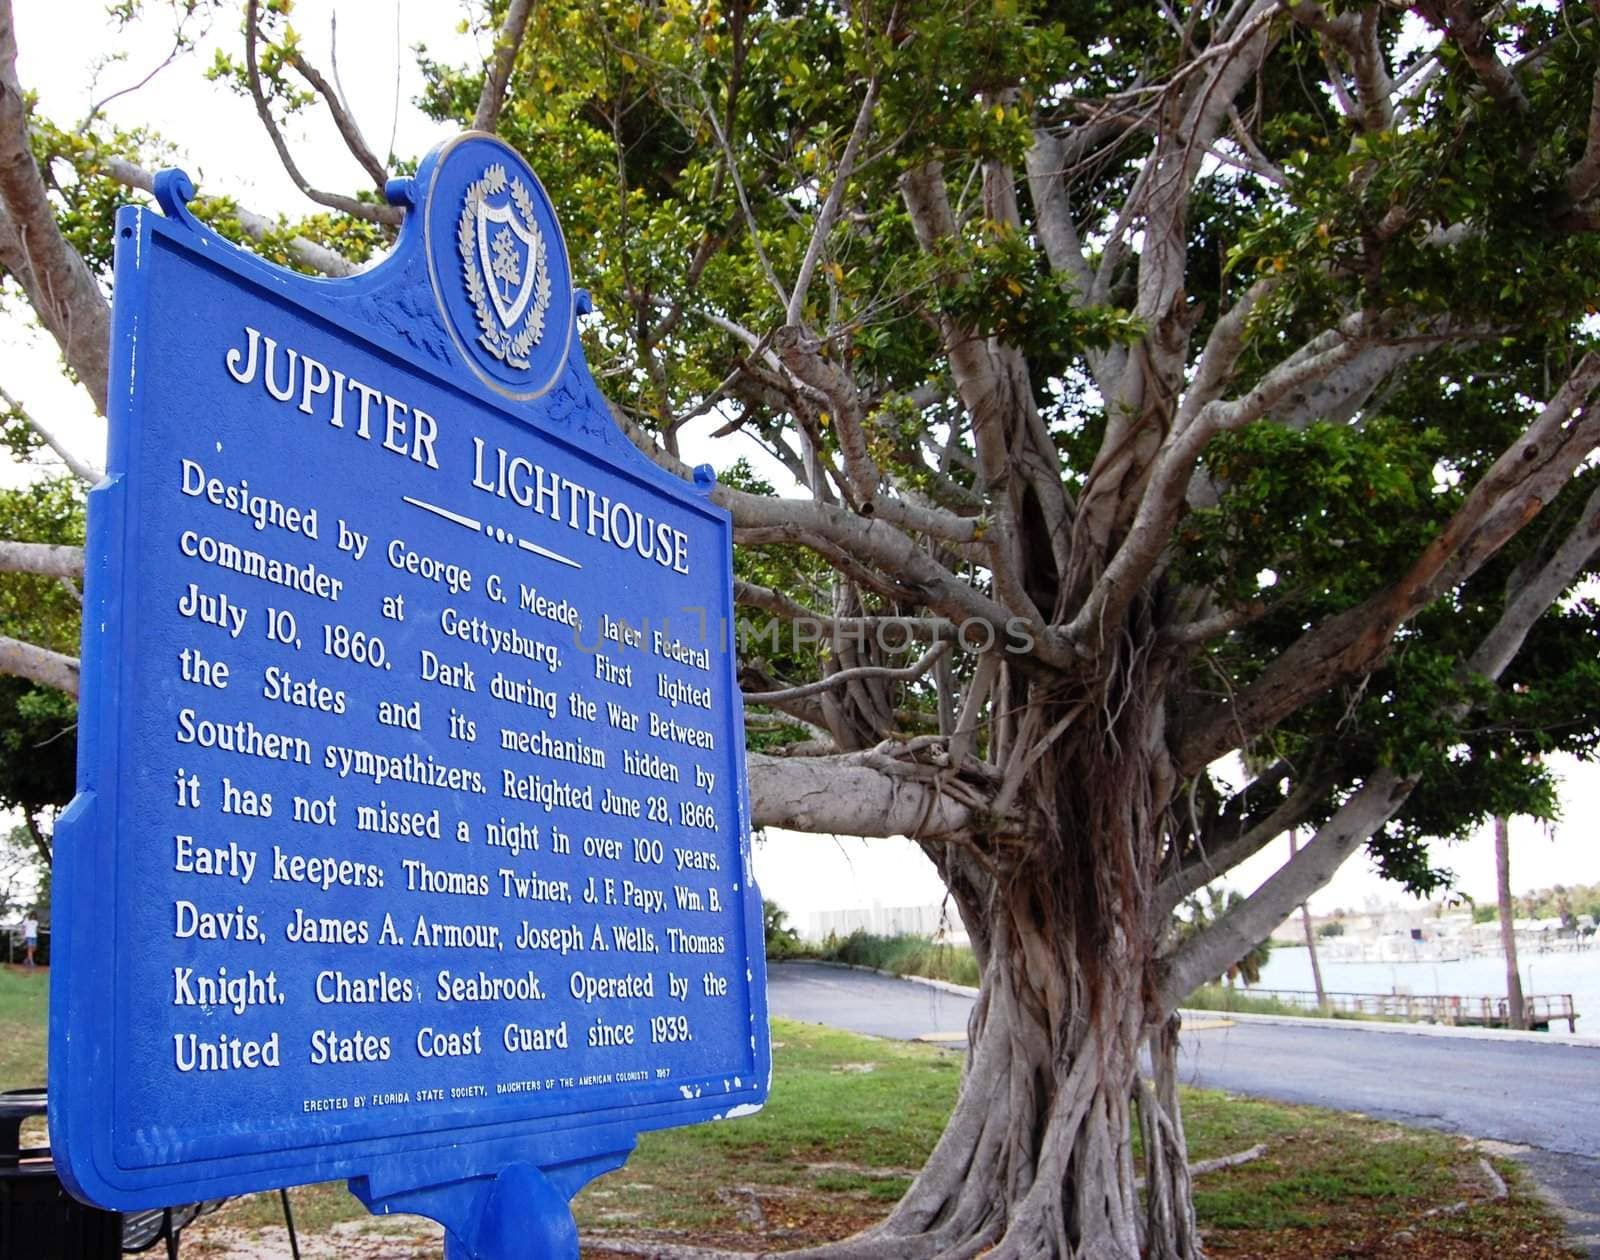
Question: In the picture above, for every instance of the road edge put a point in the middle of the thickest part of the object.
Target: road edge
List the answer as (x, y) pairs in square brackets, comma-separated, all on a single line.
[(1389, 1027), (1401, 1028)]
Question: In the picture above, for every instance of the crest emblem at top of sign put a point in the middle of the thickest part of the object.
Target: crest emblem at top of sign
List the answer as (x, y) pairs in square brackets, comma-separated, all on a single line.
[(504, 264), (498, 264)]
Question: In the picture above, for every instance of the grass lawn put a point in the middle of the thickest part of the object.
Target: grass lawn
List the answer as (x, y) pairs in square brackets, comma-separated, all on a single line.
[(850, 1119), (24, 1013)]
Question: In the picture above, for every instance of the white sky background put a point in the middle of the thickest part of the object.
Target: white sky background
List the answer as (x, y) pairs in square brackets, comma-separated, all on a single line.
[(225, 150)]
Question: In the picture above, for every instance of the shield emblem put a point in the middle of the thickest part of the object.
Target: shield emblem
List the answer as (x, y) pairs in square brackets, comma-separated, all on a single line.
[(506, 252)]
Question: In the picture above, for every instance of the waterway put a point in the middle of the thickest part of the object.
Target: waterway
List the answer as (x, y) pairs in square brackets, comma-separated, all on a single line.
[(1574, 973)]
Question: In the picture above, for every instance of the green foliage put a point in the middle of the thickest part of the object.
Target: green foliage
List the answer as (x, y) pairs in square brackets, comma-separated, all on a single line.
[(1560, 901), (635, 114), (74, 160), (1226, 998), (1204, 909), (38, 725), (782, 940), (1330, 929), (24, 877), (1457, 164), (1332, 511), (38, 746), (632, 110), (1003, 288), (904, 955), (40, 609)]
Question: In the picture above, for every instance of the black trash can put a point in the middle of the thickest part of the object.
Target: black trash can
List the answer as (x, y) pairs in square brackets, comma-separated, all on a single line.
[(39, 1220)]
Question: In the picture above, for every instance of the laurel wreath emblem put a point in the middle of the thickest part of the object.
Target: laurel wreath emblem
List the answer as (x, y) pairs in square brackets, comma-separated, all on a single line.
[(498, 341)]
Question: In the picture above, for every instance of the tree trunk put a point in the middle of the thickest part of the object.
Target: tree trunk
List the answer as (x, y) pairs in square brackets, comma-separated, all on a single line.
[(41, 842), (1037, 1159), (1311, 938), (1516, 1015)]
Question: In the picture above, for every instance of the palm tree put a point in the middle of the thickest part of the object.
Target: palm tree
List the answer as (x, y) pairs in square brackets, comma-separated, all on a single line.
[(1311, 937), (781, 938), (1200, 912), (1516, 1013)]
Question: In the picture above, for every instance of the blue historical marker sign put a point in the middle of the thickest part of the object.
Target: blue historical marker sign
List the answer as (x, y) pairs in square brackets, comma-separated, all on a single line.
[(411, 842)]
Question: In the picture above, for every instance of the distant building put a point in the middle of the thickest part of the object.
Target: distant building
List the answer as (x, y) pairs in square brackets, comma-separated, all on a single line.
[(936, 922), (1436, 932)]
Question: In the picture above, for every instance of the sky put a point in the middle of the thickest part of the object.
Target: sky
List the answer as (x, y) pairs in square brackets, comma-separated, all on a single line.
[(806, 873), (225, 150)]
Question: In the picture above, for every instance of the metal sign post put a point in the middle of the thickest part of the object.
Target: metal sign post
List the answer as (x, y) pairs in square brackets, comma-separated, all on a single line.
[(411, 841)]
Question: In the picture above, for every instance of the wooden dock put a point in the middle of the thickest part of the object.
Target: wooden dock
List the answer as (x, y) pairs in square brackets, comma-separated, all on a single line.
[(1542, 1009)]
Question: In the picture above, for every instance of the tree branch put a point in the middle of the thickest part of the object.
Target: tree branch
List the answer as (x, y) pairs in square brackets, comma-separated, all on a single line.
[(1210, 952), (1584, 177), (85, 473), (1182, 148), (1221, 353), (1466, 30), (391, 215), (1338, 396), (1385, 791), (1057, 232), (867, 541), (801, 355), (1527, 601), (39, 665), (977, 373), (257, 227), (1190, 110), (1202, 630), (1063, 247), (844, 794), (1355, 33), (1170, 473), (44, 559), (1529, 474), (41, 842), (912, 629), (888, 550), (1207, 865), (910, 673), (751, 225), (829, 214), (348, 130), (58, 283), (180, 44), (1015, 453), (506, 46)]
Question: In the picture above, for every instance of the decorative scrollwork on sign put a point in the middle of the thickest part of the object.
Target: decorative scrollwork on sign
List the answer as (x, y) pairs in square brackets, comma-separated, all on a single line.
[(500, 335)]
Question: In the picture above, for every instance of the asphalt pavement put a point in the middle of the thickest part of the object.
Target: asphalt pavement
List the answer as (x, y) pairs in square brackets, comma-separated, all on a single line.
[(1512, 1091), (1541, 1101), (866, 1002)]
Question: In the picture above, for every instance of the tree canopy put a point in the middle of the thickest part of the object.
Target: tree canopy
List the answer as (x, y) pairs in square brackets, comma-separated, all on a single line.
[(1162, 390), (38, 748)]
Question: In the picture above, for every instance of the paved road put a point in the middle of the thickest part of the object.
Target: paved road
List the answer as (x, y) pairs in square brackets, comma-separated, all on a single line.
[(1512, 1091), (865, 1002), (1543, 1097)]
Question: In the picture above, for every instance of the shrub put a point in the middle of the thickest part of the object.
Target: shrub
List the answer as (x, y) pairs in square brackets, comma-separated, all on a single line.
[(904, 955)]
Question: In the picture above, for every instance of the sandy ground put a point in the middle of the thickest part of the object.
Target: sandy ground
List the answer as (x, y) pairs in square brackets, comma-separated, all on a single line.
[(399, 1238)]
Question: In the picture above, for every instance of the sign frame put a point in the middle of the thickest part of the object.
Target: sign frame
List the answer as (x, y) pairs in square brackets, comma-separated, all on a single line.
[(506, 1175)]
